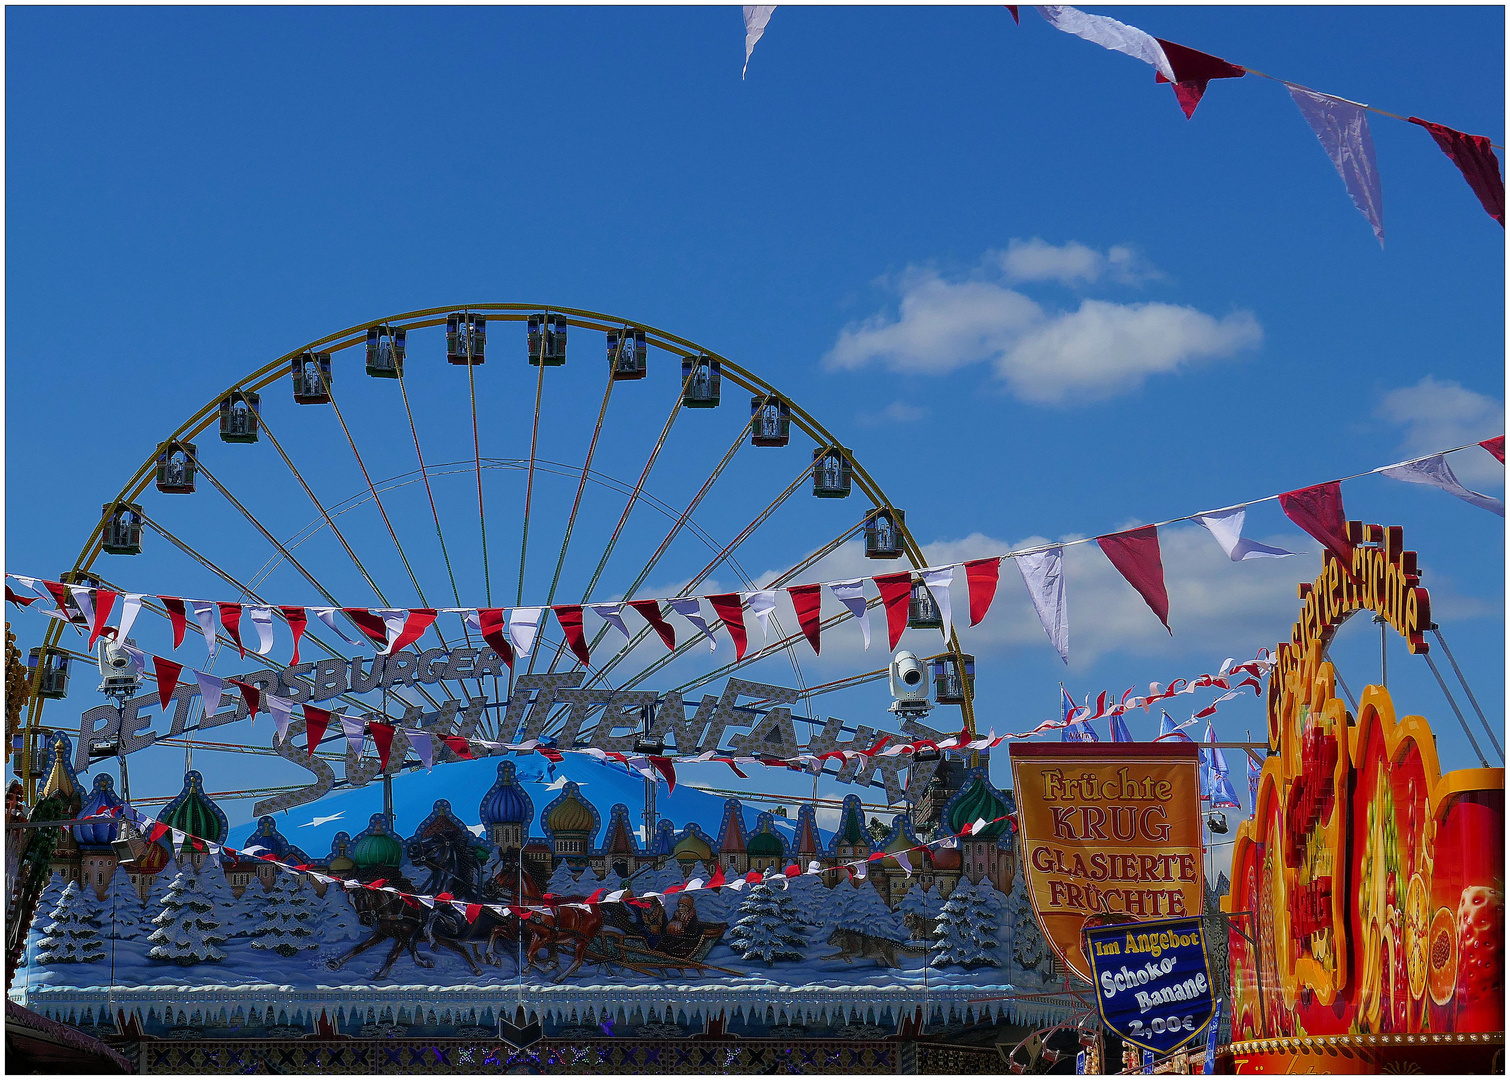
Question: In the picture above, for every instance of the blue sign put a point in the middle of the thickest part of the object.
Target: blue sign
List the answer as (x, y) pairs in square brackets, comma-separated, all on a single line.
[(1153, 981), (1211, 1036)]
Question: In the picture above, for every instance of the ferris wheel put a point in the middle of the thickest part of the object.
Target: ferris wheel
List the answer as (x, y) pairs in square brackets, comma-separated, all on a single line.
[(363, 469)]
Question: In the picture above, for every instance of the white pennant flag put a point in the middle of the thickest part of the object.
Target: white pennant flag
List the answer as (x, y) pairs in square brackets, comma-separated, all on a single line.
[(138, 658), (524, 624), (610, 613), (262, 619), (355, 730), (861, 871), (83, 598), (1043, 574), (689, 608), (424, 746), (1435, 471), (761, 605), (938, 582), (1342, 128), (282, 711), (211, 690), (903, 862), (1110, 34), (756, 19), (851, 594), (327, 615), (131, 607), (1226, 526), (205, 614), (393, 620)]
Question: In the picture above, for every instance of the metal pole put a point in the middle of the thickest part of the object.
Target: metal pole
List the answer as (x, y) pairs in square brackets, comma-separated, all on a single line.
[(1437, 630), (1383, 655), (1458, 712)]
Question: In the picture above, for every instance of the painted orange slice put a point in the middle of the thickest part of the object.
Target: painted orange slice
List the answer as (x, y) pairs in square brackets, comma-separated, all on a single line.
[(1442, 956), (1417, 925)]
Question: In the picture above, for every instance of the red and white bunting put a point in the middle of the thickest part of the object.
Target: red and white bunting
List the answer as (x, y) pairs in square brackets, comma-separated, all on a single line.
[(851, 594), (1135, 554), (730, 609)]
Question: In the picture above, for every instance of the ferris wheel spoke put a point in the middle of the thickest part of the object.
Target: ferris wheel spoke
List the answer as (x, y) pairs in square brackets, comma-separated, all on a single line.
[(482, 518), (245, 590), (717, 624), (529, 482), (435, 514), (703, 575), (571, 520), (324, 513)]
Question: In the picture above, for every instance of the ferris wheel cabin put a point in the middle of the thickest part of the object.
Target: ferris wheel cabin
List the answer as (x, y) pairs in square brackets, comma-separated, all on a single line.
[(238, 416), (626, 354), (385, 351), (547, 339), (832, 473), (122, 533), (466, 338), (883, 533), (312, 378), (770, 421), (176, 466), (701, 379)]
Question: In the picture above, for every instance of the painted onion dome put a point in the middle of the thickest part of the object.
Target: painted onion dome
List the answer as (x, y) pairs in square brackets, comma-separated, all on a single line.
[(945, 858), (194, 813), (851, 831), (506, 802), (62, 782), (977, 800), (102, 797), (340, 851), (901, 838), (692, 848), (664, 839), (765, 845), (275, 843), (377, 846), (569, 813)]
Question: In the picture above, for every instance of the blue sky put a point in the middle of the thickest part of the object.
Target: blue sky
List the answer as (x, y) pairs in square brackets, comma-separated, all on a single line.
[(998, 261)]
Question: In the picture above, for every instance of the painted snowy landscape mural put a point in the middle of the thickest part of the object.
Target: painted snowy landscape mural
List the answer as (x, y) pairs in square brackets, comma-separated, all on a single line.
[(187, 942)]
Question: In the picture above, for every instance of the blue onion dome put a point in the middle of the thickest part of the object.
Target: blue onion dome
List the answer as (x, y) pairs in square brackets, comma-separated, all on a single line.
[(977, 800), (102, 797), (376, 846), (268, 837), (506, 802), (194, 813)]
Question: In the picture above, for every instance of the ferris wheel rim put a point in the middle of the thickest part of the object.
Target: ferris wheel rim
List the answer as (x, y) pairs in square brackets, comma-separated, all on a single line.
[(348, 337)]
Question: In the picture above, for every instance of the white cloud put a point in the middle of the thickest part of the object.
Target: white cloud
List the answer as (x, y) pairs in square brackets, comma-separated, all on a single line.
[(1070, 264), (898, 412), (1096, 351), (1439, 414)]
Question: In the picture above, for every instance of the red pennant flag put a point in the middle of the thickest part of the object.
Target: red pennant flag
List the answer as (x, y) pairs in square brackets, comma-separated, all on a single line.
[(570, 618), (808, 600), (982, 575), (1495, 446), (444, 896), (157, 832), (104, 600), (754, 877), (459, 746), (718, 877), (1013, 9), (1474, 157), (793, 871), (1135, 554), (651, 612), (665, 768), (371, 625), (297, 619), (737, 771), (728, 607), (896, 590), (382, 738), (19, 601), (671, 890), (473, 910), (315, 723), (167, 672), (417, 623), (60, 596), (250, 694), (1318, 510), (1192, 71), (230, 618), (492, 622), (178, 614)]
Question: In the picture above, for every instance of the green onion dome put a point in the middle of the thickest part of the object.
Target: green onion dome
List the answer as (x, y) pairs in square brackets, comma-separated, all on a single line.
[(765, 845), (194, 813), (977, 800), (378, 849)]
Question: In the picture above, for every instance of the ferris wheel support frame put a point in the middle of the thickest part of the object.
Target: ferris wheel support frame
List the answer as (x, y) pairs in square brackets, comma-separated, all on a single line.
[(436, 316)]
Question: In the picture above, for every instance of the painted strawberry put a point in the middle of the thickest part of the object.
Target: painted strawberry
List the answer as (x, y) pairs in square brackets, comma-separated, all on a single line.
[(1481, 941)]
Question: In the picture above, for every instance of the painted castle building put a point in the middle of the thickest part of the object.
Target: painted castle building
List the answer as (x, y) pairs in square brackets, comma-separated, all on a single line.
[(571, 831)]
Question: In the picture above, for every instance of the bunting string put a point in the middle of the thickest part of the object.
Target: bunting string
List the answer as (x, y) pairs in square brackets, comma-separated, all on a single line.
[(512, 632)]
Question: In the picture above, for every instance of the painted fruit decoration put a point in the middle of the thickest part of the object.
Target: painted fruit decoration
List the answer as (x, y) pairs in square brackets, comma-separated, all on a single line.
[(1442, 956), (1481, 943), (1417, 935)]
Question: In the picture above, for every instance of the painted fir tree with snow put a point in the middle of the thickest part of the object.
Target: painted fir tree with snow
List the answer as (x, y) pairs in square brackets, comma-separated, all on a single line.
[(968, 928), (123, 914), (51, 894), (72, 936), (861, 908), (188, 927), (563, 882), (768, 928), (287, 918), (337, 918)]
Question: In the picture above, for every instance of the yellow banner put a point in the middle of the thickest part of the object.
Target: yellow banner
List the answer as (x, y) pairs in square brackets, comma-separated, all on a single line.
[(1111, 829)]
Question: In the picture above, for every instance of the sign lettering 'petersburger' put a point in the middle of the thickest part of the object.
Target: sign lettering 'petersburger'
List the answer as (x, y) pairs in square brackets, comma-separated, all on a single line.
[(1153, 981), (1108, 829)]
